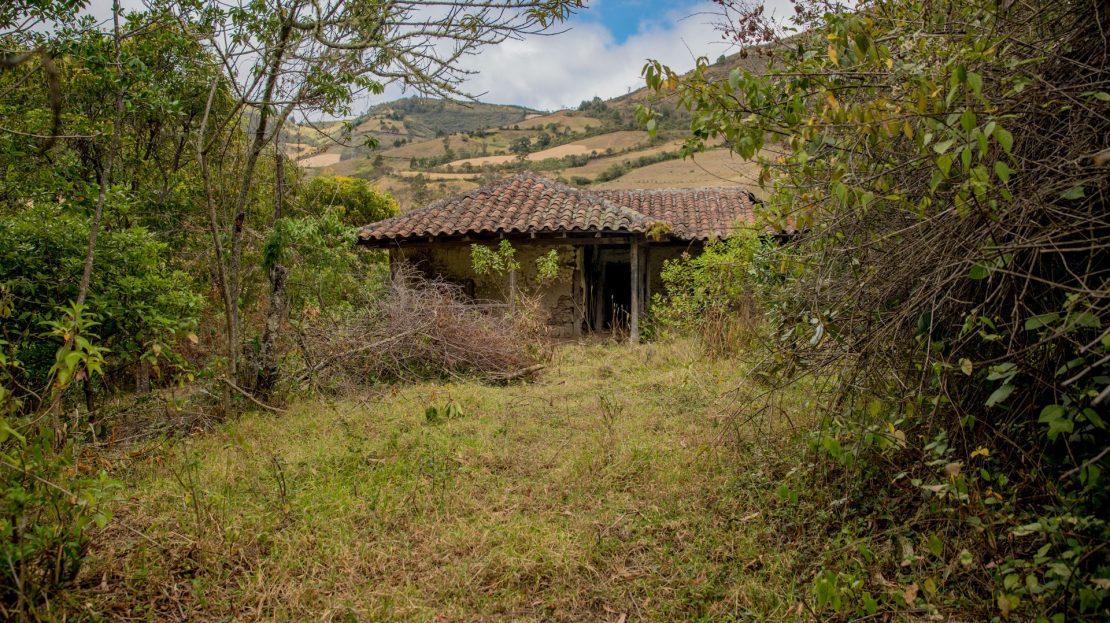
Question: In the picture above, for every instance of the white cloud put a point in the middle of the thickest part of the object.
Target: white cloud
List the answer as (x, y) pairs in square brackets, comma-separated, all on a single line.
[(562, 70), (552, 72)]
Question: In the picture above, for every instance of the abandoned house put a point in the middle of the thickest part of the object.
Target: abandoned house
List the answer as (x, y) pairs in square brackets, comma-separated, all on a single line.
[(610, 244)]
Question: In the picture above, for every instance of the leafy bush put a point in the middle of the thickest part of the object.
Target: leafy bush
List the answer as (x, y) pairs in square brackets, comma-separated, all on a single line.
[(328, 273), (356, 201), (715, 294), (486, 260), (47, 504), (143, 305), (948, 166)]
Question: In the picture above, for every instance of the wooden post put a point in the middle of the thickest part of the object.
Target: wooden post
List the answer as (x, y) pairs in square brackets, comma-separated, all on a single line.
[(512, 292), (598, 296), (634, 266), (579, 289)]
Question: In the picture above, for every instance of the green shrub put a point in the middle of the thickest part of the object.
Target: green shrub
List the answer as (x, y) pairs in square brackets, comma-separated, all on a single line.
[(948, 292), (143, 305), (714, 295), (47, 503), (328, 273), (356, 201)]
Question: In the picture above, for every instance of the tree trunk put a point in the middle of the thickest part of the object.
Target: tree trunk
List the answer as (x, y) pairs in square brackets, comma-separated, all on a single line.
[(104, 174), (258, 143), (217, 246), (268, 356), (268, 365), (142, 377)]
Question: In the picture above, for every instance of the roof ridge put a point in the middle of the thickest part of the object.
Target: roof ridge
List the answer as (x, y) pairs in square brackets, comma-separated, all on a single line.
[(739, 189)]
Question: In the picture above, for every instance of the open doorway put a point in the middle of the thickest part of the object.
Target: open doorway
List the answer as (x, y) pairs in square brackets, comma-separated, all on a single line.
[(609, 285), (617, 296)]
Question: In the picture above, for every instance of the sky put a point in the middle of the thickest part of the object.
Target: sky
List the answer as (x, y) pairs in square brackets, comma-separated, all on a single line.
[(600, 53)]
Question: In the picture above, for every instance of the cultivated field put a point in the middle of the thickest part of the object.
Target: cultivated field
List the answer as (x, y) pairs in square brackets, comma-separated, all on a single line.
[(563, 118), (716, 167)]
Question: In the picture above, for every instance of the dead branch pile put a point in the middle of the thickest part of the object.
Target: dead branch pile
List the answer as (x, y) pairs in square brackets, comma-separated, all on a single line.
[(423, 329)]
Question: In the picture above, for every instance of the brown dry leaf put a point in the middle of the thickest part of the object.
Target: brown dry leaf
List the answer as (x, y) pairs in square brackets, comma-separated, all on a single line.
[(910, 594)]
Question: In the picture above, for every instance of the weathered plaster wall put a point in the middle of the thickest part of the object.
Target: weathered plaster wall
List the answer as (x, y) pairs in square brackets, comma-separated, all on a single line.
[(562, 300), (656, 255), (557, 298)]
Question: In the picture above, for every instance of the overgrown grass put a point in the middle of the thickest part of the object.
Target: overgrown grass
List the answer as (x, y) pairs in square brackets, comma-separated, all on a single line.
[(610, 488)]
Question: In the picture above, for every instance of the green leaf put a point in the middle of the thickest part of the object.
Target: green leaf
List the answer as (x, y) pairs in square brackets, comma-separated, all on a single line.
[(967, 120), (1084, 319), (1058, 422), (1004, 138), (965, 366), (935, 545), (978, 272), (1076, 192), (1050, 413), (975, 81), (1000, 394), (943, 146), (1041, 320), (1003, 171), (734, 79), (944, 163), (1062, 425)]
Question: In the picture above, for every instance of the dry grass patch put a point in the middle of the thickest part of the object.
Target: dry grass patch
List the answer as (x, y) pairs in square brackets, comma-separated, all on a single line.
[(603, 490), (574, 121), (716, 167)]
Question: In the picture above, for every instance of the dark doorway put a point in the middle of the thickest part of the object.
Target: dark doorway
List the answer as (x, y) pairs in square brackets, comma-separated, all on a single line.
[(608, 288), (616, 296)]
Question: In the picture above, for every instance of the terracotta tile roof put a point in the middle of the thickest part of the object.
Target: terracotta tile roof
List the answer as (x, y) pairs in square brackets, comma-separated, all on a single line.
[(693, 213), (526, 203)]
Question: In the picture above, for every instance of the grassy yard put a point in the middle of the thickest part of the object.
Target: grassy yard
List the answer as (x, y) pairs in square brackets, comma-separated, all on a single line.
[(620, 486)]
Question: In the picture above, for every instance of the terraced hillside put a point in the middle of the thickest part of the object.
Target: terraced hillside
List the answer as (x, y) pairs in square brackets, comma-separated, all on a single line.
[(427, 149)]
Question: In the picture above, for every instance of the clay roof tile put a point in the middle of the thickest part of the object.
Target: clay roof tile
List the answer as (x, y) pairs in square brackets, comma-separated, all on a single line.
[(527, 202)]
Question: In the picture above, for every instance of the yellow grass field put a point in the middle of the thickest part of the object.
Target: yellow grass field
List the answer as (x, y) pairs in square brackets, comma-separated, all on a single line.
[(563, 118), (570, 149), (432, 175), (596, 166), (716, 167), (482, 160), (617, 141), (320, 161)]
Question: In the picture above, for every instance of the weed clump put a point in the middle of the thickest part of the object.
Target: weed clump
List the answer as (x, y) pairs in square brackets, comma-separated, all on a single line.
[(421, 329)]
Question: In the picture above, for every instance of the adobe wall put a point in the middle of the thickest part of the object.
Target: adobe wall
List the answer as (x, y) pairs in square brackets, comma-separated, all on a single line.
[(556, 297)]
